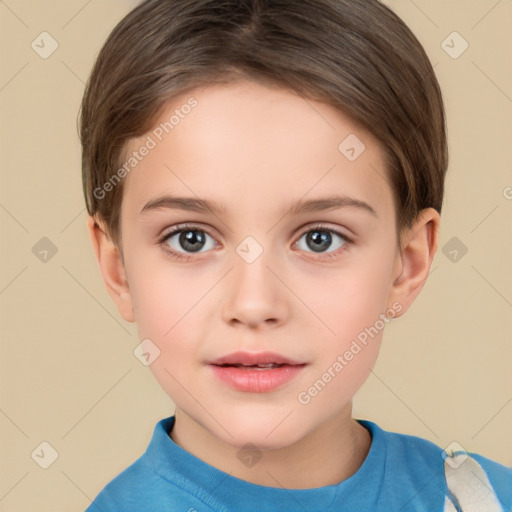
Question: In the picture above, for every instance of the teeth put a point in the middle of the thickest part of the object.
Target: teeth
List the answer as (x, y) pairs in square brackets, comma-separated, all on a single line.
[(260, 365)]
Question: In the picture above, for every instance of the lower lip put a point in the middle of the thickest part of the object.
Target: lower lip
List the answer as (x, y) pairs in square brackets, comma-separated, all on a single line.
[(256, 381)]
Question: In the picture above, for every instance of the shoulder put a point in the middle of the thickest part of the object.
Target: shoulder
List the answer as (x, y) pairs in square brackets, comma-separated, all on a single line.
[(408, 455), (139, 488), (464, 477), (123, 490), (500, 474), (153, 482)]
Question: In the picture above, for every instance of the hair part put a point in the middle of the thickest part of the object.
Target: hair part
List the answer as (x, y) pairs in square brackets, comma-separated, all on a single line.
[(356, 55)]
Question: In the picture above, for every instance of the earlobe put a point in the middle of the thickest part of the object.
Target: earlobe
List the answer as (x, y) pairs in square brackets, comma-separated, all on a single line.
[(414, 260), (111, 268)]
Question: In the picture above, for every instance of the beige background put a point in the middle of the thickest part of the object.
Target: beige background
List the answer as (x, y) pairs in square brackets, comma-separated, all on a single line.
[(68, 373)]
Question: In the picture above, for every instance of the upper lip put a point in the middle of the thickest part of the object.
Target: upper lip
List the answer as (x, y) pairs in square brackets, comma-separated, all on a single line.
[(251, 358)]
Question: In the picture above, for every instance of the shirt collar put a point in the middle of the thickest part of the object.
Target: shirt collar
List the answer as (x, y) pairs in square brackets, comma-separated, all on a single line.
[(221, 490)]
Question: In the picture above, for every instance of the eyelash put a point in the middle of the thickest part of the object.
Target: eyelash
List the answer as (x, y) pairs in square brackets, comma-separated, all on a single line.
[(191, 227)]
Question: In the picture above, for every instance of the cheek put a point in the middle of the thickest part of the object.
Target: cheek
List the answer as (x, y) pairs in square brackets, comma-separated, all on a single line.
[(171, 305), (353, 297), (163, 295), (167, 311), (352, 308)]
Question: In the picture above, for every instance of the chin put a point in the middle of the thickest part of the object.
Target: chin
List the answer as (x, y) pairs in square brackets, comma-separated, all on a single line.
[(266, 431)]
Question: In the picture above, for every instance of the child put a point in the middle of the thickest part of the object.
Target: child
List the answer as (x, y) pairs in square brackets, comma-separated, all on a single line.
[(304, 144)]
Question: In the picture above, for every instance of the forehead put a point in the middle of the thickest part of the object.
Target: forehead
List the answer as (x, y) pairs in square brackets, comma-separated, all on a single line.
[(249, 146)]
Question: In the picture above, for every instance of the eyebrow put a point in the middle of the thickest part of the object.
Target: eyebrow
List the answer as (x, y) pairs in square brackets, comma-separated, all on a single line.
[(298, 206)]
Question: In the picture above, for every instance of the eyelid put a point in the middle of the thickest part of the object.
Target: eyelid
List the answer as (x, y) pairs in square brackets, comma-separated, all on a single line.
[(183, 227), (324, 227)]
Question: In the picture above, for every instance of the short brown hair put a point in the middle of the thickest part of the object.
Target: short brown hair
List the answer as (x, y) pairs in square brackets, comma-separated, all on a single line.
[(356, 55)]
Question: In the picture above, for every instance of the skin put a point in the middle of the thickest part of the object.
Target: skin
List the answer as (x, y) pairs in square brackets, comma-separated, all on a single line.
[(257, 149)]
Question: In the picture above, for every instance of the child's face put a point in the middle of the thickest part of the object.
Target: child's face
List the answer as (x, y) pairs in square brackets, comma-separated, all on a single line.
[(256, 151)]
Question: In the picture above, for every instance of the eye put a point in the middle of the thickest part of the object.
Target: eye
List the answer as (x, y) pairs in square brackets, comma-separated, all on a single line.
[(191, 240), (320, 238)]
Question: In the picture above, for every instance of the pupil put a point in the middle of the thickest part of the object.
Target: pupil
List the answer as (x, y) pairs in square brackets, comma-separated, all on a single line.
[(191, 240), (320, 242)]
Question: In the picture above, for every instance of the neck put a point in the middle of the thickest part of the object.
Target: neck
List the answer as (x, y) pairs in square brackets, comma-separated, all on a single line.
[(330, 454)]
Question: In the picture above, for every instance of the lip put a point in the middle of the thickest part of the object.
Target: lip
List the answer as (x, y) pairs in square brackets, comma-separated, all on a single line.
[(250, 379), (248, 358)]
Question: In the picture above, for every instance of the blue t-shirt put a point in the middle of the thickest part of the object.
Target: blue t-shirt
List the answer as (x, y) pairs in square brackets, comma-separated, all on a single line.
[(401, 473)]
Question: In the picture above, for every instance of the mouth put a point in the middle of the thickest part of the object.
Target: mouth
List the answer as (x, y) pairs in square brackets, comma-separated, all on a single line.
[(261, 366), (255, 359), (256, 372)]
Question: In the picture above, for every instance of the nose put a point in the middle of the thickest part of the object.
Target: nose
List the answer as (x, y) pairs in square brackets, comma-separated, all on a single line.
[(255, 295)]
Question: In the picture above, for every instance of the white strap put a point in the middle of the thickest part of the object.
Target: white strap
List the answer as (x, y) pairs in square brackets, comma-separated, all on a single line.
[(468, 483), (448, 505)]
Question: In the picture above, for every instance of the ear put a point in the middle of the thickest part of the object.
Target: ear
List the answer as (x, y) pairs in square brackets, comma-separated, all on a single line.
[(111, 268), (412, 263)]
